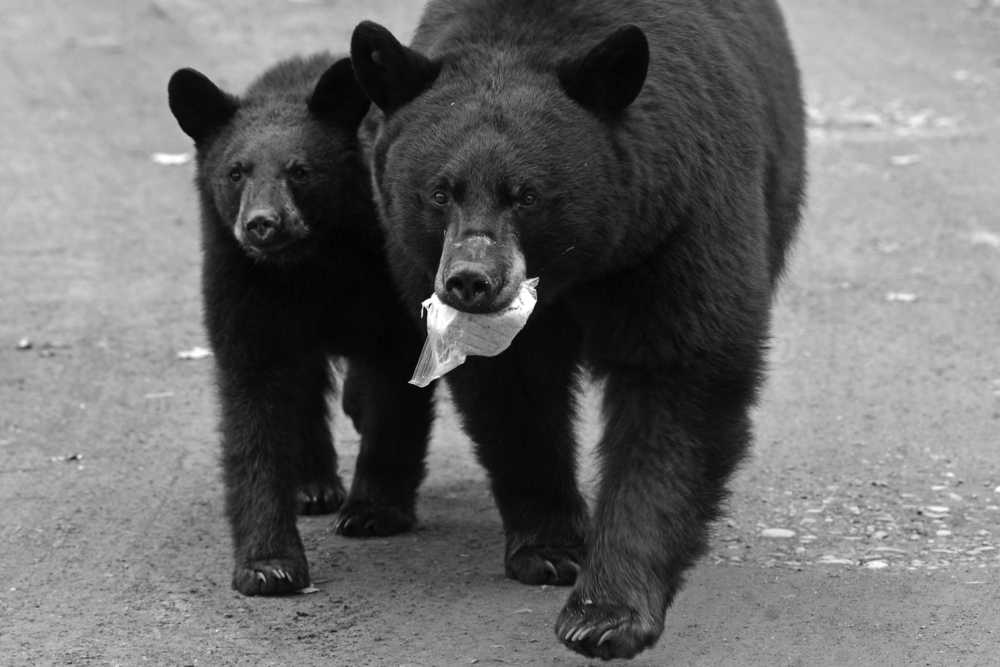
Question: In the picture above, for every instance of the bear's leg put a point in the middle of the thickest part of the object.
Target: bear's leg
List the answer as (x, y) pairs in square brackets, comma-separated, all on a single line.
[(394, 419), (518, 408), (266, 414), (320, 490), (670, 444)]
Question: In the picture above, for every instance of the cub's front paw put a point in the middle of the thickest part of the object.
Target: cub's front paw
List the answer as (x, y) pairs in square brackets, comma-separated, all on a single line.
[(606, 630), (320, 497), (366, 519), (273, 576)]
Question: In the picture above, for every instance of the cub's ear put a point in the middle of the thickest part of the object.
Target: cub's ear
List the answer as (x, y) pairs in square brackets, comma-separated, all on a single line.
[(608, 78), (390, 73), (199, 106), (338, 96)]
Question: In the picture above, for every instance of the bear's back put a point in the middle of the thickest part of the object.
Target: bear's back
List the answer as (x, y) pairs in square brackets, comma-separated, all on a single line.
[(731, 55), (551, 29)]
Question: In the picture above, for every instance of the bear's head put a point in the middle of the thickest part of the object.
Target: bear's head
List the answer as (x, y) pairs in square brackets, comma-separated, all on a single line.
[(489, 168), (279, 168)]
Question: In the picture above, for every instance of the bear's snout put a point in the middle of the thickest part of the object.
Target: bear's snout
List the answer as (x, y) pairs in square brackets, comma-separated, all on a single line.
[(479, 274), (263, 228), (469, 287)]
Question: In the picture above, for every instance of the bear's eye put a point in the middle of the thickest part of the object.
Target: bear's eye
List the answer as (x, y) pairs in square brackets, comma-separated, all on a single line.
[(527, 198), (440, 198), (236, 173), (298, 172)]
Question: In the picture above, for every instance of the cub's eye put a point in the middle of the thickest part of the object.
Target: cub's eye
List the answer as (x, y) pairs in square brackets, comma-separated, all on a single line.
[(236, 173), (298, 172), (527, 198), (440, 198)]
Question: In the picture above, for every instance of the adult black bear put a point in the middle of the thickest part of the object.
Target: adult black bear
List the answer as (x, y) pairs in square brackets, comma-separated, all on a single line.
[(293, 272), (644, 159)]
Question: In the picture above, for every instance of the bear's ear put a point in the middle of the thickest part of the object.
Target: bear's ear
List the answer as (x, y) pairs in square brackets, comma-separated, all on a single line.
[(338, 96), (608, 78), (390, 73), (199, 106)]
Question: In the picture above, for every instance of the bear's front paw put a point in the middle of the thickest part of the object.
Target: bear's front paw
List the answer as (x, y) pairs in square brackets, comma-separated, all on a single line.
[(367, 519), (605, 630), (537, 564), (320, 497), (273, 576)]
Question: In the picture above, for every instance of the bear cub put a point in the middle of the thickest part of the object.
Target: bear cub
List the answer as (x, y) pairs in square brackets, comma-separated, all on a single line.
[(293, 274)]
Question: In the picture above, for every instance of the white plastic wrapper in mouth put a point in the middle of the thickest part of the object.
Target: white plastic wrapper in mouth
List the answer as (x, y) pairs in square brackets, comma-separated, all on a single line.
[(452, 335)]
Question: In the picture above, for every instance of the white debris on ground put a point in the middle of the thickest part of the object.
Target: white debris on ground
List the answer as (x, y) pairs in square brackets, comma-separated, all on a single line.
[(777, 533), (904, 160), (158, 394), (68, 458), (966, 77), (44, 349), (848, 117), (878, 525), (194, 353), (902, 297), (834, 560), (985, 238), (888, 247), (170, 159)]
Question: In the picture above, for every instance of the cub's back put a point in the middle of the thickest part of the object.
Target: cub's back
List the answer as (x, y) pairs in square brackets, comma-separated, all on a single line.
[(293, 78)]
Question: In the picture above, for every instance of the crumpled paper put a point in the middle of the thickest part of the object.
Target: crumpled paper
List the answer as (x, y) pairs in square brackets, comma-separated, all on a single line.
[(453, 335)]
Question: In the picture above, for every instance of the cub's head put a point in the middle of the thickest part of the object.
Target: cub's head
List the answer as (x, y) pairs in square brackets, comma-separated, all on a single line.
[(277, 168), (493, 166)]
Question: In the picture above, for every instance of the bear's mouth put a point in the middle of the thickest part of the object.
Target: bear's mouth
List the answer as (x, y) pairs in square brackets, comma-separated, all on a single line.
[(281, 253)]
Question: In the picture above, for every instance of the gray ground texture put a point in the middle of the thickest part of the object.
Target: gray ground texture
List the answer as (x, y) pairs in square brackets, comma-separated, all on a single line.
[(864, 531)]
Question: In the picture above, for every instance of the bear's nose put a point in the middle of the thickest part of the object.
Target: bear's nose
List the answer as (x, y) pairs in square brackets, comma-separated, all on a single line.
[(262, 228), (469, 288)]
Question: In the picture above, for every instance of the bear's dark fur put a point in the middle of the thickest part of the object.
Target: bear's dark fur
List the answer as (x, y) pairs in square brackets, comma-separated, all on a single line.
[(645, 160), (293, 272)]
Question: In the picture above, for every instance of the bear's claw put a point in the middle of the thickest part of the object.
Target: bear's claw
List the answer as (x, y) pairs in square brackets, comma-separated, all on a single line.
[(270, 577), (365, 519), (535, 564), (605, 630), (319, 497)]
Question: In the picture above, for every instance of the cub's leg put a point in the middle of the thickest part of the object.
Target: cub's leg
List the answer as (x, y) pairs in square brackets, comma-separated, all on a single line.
[(273, 412), (319, 490), (394, 419)]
